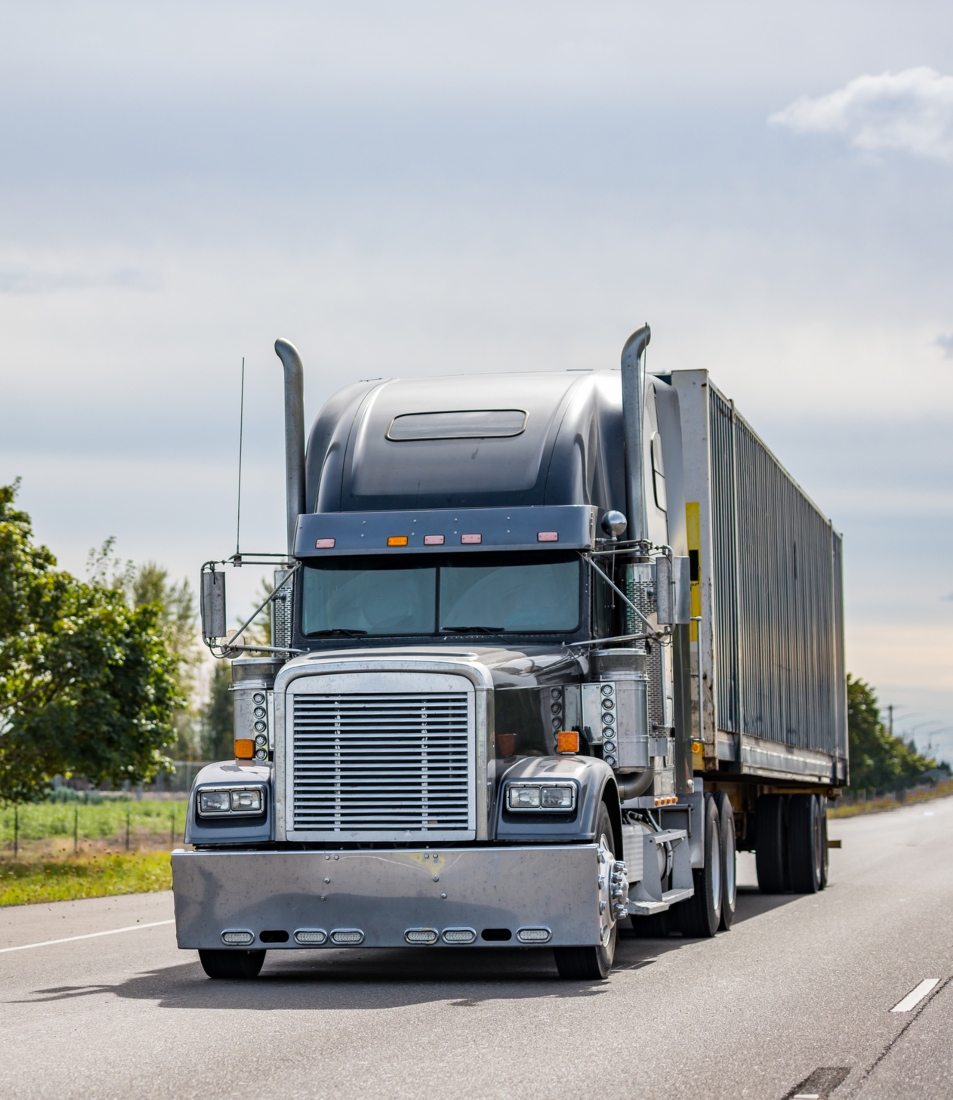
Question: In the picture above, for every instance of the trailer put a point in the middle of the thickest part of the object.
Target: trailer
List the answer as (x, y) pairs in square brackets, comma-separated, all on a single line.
[(546, 650)]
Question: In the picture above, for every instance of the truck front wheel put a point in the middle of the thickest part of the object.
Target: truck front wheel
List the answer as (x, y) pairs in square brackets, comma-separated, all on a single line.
[(232, 964), (700, 916), (593, 964)]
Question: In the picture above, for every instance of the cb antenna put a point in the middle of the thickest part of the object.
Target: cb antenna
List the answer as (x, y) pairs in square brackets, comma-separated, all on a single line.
[(241, 429)]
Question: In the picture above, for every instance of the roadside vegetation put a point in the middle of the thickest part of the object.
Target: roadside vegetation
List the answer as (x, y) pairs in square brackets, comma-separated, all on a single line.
[(77, 826), (98, 689), (885, 771), (97, 876)]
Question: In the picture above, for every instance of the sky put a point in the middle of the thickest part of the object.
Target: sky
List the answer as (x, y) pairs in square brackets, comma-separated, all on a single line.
[(424, 188)]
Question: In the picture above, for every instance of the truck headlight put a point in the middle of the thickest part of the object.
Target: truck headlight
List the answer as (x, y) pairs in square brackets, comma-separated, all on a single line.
[(248, 802), (545, 797), (236, 801), (557, 798), (213, 802)]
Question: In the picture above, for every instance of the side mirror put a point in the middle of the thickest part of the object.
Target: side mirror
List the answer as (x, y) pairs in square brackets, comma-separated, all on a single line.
[(673, 591), (212, 604)]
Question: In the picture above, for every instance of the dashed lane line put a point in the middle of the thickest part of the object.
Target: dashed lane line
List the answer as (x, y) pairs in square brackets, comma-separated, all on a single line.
[(87, 936), (916, 995)]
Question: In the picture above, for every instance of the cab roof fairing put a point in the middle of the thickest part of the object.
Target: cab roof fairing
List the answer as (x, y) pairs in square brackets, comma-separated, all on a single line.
[(570, 451)]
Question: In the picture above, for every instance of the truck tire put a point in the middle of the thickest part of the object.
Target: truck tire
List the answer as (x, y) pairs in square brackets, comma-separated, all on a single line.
[(771, 844), (232, 964), (826, 860), (729, 878), (700, 916), (592, 964), (805, 844)]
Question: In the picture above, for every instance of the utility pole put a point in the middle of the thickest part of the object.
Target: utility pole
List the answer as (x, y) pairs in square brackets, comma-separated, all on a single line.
[(890, 712)]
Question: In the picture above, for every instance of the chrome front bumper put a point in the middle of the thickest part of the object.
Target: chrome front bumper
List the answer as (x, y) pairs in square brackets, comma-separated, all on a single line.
[(385, 893)]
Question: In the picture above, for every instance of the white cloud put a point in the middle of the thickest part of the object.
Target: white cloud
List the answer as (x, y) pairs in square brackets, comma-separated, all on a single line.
[(911, 111)]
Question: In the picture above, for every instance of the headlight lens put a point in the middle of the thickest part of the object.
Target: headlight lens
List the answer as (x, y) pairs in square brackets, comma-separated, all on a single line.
[(213, 802), (248, 802), (231, 800), (523, 798), (556, 798), (548, 797)]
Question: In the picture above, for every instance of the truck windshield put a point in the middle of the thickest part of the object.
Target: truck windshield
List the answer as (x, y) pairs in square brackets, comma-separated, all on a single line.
[(489, 595)]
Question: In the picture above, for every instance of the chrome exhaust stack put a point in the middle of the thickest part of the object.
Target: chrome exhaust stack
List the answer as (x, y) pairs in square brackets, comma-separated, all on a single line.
[(294, 434), (633, 398)]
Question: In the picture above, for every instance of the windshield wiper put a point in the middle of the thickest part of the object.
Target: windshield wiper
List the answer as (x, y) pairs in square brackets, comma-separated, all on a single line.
[(337, 632), (474, 629)]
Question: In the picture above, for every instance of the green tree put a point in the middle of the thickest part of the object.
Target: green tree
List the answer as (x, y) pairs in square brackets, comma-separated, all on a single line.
[(218, 722), (877, 759), (149, 584), (88, 686)]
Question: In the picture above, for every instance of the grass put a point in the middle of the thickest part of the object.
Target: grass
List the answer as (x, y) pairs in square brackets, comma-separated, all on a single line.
[(92, 821), (22, 883), (890, 801)]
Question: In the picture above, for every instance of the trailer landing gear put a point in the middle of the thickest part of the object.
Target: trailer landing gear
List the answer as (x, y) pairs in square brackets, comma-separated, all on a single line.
[(594, 963)]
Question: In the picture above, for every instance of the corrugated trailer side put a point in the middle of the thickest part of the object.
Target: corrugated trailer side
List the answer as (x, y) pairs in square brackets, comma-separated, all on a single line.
[(768, 676)]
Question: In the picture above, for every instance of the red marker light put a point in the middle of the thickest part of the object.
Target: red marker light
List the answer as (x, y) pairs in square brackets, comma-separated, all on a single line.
[(433, 540), (324, 544), (547, 536), (470, 540)]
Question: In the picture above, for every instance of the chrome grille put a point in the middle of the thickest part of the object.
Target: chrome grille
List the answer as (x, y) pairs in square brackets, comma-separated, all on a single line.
[(382, 765)]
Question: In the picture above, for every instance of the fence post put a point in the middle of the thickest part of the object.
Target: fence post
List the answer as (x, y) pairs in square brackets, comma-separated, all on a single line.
[(16, 831), (75, 829), (127, 826), (172, 832)]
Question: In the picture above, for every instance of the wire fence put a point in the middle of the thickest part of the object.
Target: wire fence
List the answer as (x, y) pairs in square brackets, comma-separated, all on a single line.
[(81, 826)]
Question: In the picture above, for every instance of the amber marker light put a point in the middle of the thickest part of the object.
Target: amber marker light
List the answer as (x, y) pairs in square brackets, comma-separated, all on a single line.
[(547, 536), (244, 748), (567, 741), (396, 540)]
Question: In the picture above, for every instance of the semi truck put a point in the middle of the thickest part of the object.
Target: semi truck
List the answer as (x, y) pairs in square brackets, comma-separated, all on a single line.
[(546, 650)]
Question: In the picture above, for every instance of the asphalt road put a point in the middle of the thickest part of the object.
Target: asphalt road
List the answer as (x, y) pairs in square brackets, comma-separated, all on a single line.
[(795, 999)]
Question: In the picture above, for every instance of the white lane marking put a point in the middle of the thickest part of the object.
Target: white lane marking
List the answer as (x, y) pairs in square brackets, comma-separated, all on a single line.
[(806, 1096), (915, 996), (87, 936)]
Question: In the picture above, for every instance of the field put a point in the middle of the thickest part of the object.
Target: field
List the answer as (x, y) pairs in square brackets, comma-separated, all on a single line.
[(60, 828), (60, 851)]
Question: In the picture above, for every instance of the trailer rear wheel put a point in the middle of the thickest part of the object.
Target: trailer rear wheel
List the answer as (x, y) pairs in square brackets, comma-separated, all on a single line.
[(771, 844), (590, 963), (805, 844), (729, 882), (700, 916), (826, 858), (232, 964)]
